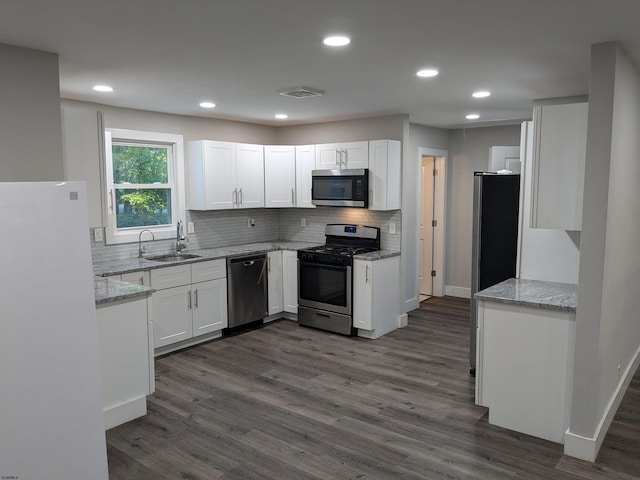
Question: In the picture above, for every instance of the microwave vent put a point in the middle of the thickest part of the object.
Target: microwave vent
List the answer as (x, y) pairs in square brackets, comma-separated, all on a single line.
[(301, 92)]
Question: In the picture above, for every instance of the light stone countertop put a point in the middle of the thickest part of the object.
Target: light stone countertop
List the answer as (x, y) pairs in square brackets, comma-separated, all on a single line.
[(533, 293), (134, 264), (112, 290), (109, 290)]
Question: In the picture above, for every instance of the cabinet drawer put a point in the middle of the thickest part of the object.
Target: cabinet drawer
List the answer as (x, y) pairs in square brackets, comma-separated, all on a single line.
[(205, 271), (171, 277)]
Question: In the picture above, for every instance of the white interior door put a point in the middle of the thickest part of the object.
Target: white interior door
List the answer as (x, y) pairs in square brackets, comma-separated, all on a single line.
[(426, 225)]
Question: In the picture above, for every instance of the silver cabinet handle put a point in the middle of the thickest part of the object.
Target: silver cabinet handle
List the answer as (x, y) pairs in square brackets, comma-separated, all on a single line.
[(366, 274), (235, 197), (196, 297), (142, 280), (293, 197), (240, 199), (189, 300), (338, 158), (344, 159)]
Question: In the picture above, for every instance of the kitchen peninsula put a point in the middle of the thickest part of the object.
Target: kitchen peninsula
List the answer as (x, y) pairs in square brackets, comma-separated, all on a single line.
[(525, 351)]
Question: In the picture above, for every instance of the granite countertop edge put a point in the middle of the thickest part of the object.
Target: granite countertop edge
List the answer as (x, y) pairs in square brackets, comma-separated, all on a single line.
[(109, 290), (533, 293), (129, 264)]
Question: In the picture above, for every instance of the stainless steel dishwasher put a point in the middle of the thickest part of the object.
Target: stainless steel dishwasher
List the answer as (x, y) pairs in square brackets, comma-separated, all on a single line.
[(247, 289)]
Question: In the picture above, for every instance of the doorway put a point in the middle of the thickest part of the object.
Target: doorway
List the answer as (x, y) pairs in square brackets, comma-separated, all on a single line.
[(431, 225)]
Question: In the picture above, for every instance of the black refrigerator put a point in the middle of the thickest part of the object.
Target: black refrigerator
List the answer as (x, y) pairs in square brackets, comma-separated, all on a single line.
[(496, 199)]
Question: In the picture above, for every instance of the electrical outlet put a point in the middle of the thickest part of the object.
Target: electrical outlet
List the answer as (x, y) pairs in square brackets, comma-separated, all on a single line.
[(303, 221), (251, 222), (97, 235), (190, 227), (392, 228)]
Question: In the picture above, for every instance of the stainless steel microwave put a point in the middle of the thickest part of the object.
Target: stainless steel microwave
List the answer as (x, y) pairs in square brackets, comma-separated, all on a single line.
[(340, 188)]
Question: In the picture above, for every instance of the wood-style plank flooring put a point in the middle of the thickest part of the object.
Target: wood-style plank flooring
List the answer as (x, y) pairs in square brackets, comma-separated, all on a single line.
[(288, 402)]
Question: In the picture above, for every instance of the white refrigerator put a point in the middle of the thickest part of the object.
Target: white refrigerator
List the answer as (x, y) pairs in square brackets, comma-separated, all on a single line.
[(51, 420)]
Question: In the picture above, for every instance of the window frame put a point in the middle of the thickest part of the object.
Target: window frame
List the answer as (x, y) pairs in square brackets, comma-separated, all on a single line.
[(176, 182)]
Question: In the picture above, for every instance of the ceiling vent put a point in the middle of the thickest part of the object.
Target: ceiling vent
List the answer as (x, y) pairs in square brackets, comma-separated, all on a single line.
[(301, 92)]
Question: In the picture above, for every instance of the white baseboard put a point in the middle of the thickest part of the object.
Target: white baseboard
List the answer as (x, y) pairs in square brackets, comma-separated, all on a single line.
[(411, 304), (587, 448), (403, 320), (124, 412), (462, 292)]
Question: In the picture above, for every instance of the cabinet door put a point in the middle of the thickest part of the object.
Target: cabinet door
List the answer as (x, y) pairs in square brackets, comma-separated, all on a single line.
[(275, 282), (362, 294), (172, 315), (209, 306), (354, 155), (384, 175), (250, 175), (328, 156), (219, 174), (279, 176), (290, 281), (305, 163), (558, 166)]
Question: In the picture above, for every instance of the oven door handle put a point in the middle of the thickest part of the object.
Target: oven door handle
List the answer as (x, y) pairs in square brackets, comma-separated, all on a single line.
[(323, 265)]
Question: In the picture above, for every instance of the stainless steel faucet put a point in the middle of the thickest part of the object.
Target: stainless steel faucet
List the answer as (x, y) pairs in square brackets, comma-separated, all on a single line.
[(181, 240), (140, 247)]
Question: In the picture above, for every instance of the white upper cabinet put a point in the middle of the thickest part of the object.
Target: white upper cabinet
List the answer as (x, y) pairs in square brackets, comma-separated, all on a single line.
[(384, 174), (559, 149), (250, 175), (224, 175), (210, 175), (336, 156), (305, 163), (279, 176)]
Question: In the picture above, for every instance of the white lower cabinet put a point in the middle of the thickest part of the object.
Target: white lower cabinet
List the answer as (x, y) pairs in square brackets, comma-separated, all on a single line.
[(290, 280), (189, 301), (375, 304), (125, 347), (274, 282)]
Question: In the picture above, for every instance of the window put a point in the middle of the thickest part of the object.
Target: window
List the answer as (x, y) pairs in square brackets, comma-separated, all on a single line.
[(144, 177)]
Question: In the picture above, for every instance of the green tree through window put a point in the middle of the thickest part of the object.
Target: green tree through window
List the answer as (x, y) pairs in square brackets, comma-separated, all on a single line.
[(140, 179)]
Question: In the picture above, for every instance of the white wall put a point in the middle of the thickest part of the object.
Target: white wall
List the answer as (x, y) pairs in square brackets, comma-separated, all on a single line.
[(81, 138), (376, 128), (468, 153), (419, 136), (607, 341), (30, 125), (552, 255)]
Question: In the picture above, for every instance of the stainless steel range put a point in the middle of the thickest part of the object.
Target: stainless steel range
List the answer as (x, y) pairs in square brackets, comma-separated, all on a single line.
[(325, 277)]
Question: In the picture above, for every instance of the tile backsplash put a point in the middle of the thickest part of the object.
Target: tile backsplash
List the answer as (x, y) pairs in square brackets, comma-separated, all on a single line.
[(229, 227)]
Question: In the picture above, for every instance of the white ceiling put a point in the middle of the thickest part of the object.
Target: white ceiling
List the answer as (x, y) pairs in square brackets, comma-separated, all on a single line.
[(168, 55)]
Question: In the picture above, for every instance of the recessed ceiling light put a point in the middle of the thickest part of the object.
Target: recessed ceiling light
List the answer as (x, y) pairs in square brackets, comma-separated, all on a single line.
[(481, 94), (207, 104), (427, 72), (472, 116), (281, 116), (103, 88), (336, 41)]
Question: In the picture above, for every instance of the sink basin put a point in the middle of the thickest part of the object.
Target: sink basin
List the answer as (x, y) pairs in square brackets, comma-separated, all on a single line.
[(173, 257)]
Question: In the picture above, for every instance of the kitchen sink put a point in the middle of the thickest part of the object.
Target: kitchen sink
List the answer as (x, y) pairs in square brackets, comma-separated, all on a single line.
[(173, 257)]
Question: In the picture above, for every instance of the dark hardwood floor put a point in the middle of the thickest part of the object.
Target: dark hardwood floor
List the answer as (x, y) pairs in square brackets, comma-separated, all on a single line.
[(287, 402)]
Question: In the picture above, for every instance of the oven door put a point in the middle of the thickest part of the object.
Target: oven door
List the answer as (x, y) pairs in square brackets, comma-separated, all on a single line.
[(325, 287)]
